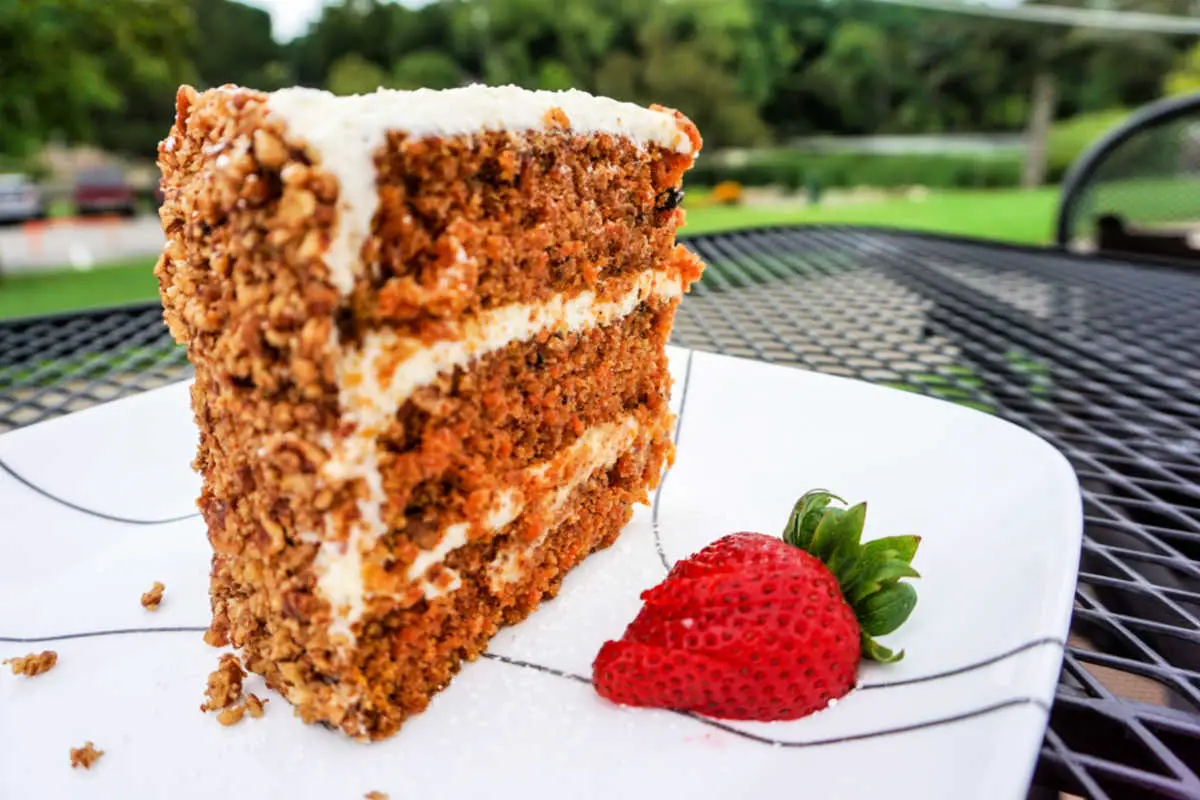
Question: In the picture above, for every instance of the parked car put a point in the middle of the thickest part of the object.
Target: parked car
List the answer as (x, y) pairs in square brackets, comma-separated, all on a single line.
[(20, 199), (104, 191)]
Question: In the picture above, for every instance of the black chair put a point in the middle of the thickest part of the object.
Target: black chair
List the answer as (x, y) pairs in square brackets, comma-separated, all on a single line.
[(1136, 192)]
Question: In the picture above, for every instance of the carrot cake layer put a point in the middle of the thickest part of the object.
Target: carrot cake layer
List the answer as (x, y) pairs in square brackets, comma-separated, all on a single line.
[(428, 332), (407, 655), (483, 415)]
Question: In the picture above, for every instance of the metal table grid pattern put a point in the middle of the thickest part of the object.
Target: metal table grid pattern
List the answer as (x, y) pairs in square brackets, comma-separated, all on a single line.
[(1101, 358)]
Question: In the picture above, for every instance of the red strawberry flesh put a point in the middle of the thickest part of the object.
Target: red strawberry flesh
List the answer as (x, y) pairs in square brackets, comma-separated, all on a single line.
[(777, 686), (758, 628)]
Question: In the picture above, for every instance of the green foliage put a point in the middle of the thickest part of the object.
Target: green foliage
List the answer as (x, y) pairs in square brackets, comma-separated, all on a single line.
[(555, 76), (1185, 78), (353, 74), (65, 62), (749, 72), (1071, 138), (233, 44), (428, 69), (795, 169)]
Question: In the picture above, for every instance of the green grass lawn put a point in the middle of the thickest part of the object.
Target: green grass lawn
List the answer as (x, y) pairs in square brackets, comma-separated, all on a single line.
[(68, 290), (1147, 200), (1023, 217)]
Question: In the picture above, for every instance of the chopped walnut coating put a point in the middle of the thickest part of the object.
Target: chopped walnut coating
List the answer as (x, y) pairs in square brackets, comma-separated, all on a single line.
[(224, 684), (152, 598), (85, 756), (32, 664)]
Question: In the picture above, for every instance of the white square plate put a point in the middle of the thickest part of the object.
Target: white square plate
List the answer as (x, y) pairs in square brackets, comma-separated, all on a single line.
[(96, 506)]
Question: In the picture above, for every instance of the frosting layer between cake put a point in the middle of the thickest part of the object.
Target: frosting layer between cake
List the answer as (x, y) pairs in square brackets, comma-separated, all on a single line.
[(375, 380)]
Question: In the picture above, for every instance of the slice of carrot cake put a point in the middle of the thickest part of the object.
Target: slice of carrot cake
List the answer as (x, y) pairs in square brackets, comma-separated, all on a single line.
[(428, 332)]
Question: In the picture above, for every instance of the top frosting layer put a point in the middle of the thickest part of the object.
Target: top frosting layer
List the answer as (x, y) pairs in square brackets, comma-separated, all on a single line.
[(346, 131), (470, 109)]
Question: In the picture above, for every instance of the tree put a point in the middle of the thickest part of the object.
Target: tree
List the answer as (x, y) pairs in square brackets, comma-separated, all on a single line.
[(855, 74), (67, 62), (229, 43), (233, 44), (380, 33), (508, 41), (688, 54)]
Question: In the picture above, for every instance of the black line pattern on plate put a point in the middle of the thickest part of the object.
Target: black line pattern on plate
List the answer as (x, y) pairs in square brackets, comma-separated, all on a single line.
[(858, 737), (558, 673), (754, 737), (712, 723), (28, 484), (61, 637), (658, 545), (950, 673), (516, 662)]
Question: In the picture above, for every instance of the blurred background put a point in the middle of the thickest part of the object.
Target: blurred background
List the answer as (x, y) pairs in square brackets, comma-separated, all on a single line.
[(937, 115)]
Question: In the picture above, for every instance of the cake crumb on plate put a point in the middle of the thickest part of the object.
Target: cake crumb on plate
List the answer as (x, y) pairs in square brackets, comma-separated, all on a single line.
[(152, 598), (224, 685), (85, 756), (32, 664), (232, 715), (254, 705), (376, 796)]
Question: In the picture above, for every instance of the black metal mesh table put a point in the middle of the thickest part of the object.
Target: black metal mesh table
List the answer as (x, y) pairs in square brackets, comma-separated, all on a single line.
[(1100, 357)]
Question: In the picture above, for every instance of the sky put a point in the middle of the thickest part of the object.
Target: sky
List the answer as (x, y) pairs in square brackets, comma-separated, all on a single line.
[(289, 18)]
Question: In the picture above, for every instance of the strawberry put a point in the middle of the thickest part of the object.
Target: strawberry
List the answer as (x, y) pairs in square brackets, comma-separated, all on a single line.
[(763, 628)]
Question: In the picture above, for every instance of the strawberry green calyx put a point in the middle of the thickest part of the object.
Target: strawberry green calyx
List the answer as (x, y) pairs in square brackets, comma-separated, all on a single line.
[(869, 573)]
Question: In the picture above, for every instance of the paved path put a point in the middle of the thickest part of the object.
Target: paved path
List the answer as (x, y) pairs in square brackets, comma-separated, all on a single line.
[(78, 243)]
